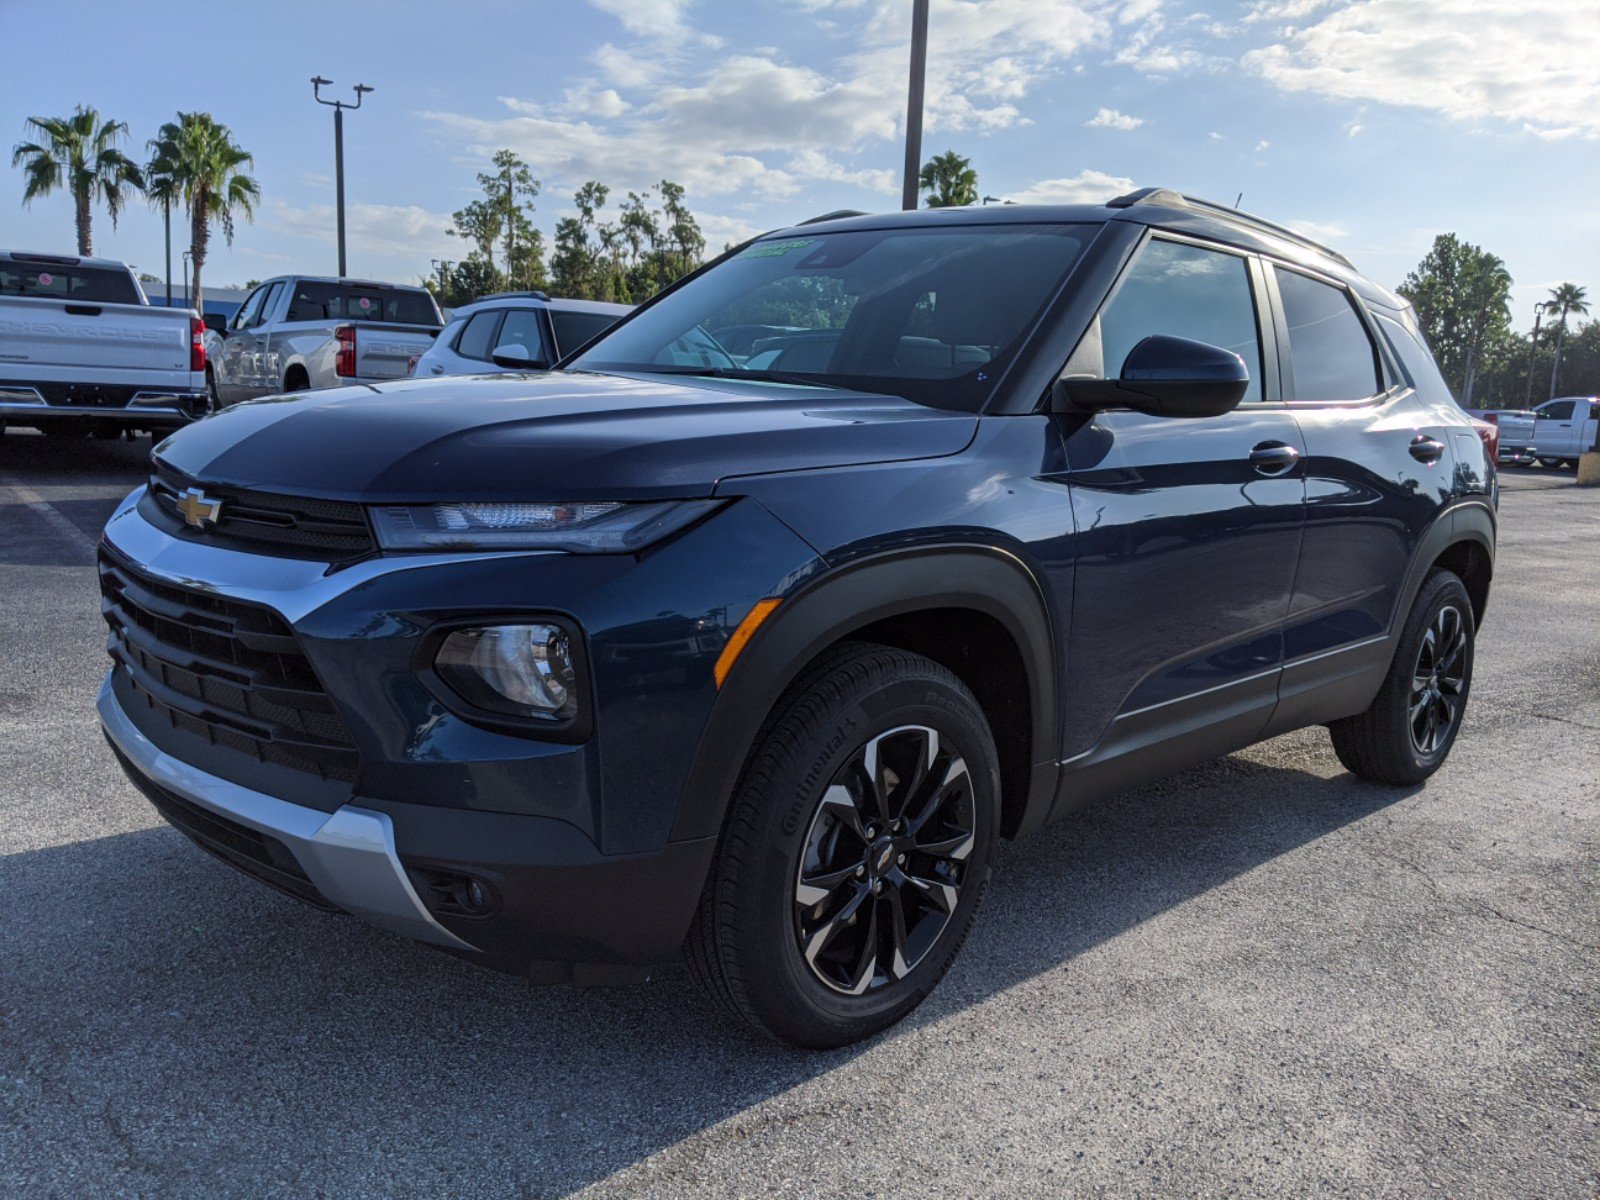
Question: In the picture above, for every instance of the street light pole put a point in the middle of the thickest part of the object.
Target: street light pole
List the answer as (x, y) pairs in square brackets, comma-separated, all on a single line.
[(1533, 350), (919, 71), (166, 215), (186, 279), (338, 106)]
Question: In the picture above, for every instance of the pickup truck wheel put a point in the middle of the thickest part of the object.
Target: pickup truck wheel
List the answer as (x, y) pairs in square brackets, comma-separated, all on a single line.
[(855, 853), (213, 397), (1552, 463), (1406, 734)]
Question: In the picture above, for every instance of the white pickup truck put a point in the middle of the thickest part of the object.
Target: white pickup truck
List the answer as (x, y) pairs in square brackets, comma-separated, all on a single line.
[(1556, 434), (82, 350), (299, 331)]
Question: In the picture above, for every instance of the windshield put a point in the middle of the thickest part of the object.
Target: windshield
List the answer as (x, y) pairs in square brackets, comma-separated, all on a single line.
[(934, 315)]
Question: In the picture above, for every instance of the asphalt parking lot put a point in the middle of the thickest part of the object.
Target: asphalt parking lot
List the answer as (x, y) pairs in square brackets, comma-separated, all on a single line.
[(1261, 978)]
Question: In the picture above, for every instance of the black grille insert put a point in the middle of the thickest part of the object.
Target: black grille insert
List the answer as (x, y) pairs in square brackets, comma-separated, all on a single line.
[(328, 530), (229, 671), (251, 851)]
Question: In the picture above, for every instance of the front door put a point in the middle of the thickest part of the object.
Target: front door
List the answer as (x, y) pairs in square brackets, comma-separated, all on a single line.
[(1188, 534), (1556, 426)]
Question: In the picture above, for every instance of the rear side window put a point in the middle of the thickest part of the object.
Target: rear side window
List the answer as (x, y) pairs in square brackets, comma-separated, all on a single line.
[(1332, 357), (352, 302), (573, 329), (88, 285), (1180, 291), (477, 339), (1419, 366)]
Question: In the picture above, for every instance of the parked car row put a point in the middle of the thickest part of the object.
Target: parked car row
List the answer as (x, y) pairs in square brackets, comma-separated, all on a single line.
[(1555, 434), (82, 350)]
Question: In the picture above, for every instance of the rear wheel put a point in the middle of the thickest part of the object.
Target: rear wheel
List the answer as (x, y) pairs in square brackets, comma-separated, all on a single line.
[(213, 396), (1406, 734), (1552, 463), (856, 851)]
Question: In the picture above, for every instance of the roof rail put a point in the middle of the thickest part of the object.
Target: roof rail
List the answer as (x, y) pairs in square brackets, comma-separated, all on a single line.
[(837, 214), (533, 295), (1168, 198)]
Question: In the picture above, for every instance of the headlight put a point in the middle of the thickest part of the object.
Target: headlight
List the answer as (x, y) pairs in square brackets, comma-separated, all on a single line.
[(582, 528), (518, 670)]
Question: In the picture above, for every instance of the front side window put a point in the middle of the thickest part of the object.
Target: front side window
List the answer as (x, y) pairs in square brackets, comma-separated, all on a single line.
[(248, 310), (931, 314), (1561, 410), (477, 339), (268, 303), (1329, 350), (1176, 290)]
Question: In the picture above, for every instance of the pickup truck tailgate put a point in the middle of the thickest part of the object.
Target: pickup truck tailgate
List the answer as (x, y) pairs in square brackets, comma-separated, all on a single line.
[(128, 338), (384, 351)]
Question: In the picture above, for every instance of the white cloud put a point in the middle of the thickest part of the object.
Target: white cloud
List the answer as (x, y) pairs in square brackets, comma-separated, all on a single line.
[(1532, 62), (1086, 187), (655, 19), (1218, 137), (373, 229), (1262, 145), (604, 103), (1110, 118)]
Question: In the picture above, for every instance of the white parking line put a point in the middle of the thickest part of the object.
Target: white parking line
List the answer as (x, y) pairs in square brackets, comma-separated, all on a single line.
[(51, 515)]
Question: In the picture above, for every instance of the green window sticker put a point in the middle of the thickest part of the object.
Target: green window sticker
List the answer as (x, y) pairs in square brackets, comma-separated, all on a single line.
[(774, 249)]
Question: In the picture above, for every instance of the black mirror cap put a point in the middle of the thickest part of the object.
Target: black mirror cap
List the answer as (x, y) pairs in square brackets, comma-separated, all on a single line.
[(1164, 377), (215, 322)]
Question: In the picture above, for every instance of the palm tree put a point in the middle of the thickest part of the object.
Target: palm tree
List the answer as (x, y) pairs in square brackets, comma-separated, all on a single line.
[(949, 181), (1567, 298), (79, 154), (196, 160)]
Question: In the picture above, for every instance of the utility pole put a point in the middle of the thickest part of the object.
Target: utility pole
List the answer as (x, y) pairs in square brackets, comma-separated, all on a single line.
[(338, 106), (166, 216), (1533, 349), (919, 71)]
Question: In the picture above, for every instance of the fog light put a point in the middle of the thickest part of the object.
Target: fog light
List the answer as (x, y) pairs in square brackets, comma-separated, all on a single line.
[(519, 670), (477, 895)]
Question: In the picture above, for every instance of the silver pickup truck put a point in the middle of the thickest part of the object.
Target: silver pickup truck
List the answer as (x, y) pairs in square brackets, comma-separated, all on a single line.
[(83, 351), (299, 331)]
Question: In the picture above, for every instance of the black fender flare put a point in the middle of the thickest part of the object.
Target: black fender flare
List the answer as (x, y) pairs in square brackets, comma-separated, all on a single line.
[(983, 578), (1469, 519)]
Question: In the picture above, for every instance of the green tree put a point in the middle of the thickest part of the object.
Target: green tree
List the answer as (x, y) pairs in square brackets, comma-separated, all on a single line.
[(1462, 295), (204, 167), (78, 154), (504, 219), (1565, 299), (949, 181)]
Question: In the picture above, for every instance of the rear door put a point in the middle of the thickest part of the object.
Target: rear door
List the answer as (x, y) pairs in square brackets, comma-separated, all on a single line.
[(1379, 467), (1188, 530)]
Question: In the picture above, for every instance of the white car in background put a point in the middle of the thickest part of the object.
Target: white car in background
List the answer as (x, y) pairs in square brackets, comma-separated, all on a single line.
[(1556, 433), (514, 331)]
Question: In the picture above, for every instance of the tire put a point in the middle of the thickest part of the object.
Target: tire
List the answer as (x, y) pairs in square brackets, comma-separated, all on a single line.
[(819, 964), (213, 396), (1406, 734), (1551, 463), (296, 381)]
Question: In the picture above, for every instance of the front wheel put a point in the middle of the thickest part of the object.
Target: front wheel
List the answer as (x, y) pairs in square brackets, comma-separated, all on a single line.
[(1552, 463), (1406, 734), (856, 851)]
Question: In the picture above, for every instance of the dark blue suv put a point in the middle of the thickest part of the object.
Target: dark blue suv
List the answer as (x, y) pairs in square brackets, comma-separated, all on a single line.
[(747, 631)]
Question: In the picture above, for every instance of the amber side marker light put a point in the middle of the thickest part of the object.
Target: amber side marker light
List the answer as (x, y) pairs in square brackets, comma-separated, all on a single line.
[(741, 637)]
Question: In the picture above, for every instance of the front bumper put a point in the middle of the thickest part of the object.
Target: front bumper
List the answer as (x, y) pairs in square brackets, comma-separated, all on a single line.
[(562, 912)]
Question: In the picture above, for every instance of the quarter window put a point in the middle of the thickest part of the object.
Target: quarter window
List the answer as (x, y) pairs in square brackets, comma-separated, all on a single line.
[(477, 339), (1329, 350), (1180, 291), (573, 329)]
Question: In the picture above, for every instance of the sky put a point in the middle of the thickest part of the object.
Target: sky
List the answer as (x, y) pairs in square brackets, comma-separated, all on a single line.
[(1371, 124)]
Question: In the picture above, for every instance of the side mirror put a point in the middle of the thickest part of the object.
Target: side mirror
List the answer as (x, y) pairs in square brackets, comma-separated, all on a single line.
[(216, 323), (516, 356), (1165, 377)]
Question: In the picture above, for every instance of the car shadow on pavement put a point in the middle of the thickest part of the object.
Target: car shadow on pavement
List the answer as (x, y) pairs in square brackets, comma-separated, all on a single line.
[(196, 1033)]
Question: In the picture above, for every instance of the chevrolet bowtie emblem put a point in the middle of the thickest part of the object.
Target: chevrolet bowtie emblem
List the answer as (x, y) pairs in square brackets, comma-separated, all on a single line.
[(199, 510)]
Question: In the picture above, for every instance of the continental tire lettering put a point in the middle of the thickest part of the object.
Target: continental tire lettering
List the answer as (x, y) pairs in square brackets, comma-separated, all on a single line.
[(818, 771)]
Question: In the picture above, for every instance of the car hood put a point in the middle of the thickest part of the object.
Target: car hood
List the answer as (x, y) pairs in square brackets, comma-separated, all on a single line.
[(564, 435)]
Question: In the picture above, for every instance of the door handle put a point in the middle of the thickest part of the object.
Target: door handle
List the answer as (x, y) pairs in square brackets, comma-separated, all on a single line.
[(1426, 449), (1274, 458), (437, 369)]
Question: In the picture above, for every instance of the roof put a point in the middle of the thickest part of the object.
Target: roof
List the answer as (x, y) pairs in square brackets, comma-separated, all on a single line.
[(1160, 208)]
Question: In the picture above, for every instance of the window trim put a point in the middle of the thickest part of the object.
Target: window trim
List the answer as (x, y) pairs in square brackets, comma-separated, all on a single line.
[(260, 290), (274, 290), (1392, 381), (1266, 331)]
